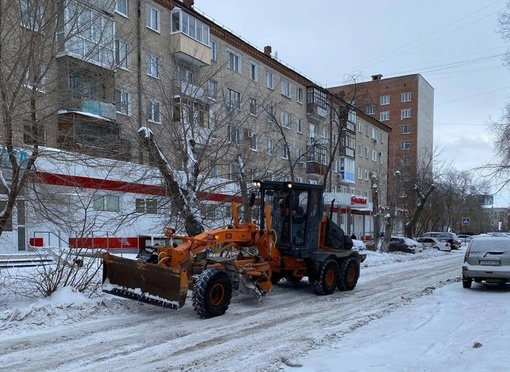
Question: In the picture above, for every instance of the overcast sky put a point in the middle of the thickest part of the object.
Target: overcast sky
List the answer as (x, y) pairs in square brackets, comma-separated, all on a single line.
[(453, 44)]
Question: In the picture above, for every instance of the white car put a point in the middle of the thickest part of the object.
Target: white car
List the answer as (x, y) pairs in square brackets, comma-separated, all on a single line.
[(359, 245), (430, 242), (418, 247)]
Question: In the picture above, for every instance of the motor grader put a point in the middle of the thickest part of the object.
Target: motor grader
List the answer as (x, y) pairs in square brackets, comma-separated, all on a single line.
[(292, 240)]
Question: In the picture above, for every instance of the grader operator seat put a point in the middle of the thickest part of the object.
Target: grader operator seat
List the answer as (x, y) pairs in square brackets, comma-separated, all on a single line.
[(295, 214)]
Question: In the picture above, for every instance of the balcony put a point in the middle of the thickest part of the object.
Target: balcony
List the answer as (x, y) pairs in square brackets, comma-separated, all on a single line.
[(192, 91), (315, 113), (98, 108), (346, 151), (91, 135), (316, 105), (190, 50), (315, 168)]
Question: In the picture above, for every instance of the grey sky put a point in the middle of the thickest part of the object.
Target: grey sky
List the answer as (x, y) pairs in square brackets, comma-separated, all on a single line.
[(453, 44)]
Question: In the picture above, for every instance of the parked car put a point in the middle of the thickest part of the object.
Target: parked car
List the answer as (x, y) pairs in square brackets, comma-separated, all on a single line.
[(359, 245), (445, 236), (399, 244), (487, 259), (435, 243), (418, 247)]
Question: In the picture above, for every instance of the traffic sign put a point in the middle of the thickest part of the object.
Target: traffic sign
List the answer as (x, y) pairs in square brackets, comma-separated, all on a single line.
[(465, 220)]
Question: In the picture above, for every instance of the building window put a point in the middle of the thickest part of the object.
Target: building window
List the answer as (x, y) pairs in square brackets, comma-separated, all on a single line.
[(374, 155), (270, 79), (253, 106), (300, 158), (299, 95), (31, 14), (149, 206), (405, 97), (270, 146), (233, 100), (234, 61), (370, 110), (384, 116), (312, 128), (106, 203), (286, 88), (152, 18), (385, 100), (406, 145), (270, 113), (122, 101), (152, 65), (83, 86), (405, 113), (212, 89), (253, 138), (285, 119), (185, 75), (299, 125), (36, 77), (121, 54), (254, 71), (285, 151), (214, 50), (405, 129), (360, 173), (234, 134), (406, 160), (374, 134), (121, 7), (153, 111)]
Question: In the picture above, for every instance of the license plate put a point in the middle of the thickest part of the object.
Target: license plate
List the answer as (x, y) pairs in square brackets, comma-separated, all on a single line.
[(489, 263)]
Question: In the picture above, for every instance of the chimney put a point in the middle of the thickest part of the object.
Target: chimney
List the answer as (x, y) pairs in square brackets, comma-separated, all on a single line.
[(189, 2), (376, 77), (267, 50)]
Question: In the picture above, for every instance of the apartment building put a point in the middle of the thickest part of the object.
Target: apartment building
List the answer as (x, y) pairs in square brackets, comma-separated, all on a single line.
[(212, 100), (406, 104)]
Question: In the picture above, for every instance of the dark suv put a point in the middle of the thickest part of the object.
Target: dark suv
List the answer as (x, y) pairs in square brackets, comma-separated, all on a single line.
[(448, 237)]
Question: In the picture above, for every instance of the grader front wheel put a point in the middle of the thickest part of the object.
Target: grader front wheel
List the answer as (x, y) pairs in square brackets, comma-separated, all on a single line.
[(212, 293)]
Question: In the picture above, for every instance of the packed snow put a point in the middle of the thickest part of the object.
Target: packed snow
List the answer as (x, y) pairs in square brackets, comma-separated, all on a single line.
[(407, 313)]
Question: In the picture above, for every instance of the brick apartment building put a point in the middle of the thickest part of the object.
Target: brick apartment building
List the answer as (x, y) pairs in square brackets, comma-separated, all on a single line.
[(204, 92), (406, 104)]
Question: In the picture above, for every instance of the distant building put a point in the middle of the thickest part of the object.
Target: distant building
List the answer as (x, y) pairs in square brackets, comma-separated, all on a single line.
[(406, 104), (498, 220)]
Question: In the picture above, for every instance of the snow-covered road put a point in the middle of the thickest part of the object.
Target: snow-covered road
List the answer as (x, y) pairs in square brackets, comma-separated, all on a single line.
[(114, 334)]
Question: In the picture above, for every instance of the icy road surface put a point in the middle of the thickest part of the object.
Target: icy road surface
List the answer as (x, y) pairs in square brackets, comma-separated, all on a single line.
[(114, 334)]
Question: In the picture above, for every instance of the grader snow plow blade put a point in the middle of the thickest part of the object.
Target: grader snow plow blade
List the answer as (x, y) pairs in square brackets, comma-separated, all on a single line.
[(145, 282)]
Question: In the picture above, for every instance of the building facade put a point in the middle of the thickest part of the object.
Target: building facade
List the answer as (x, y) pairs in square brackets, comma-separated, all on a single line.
[(210, 98), (406, 104)]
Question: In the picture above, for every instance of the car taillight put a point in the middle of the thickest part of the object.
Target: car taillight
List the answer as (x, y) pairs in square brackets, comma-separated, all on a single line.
[(468, 251)]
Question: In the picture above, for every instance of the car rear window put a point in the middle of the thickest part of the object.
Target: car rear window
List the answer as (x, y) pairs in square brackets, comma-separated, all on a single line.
[(490, 244)]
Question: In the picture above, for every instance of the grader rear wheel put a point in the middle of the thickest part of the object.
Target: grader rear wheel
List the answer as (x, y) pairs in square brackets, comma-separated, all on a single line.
[(212, 293), (349, 274), (327, 279)]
